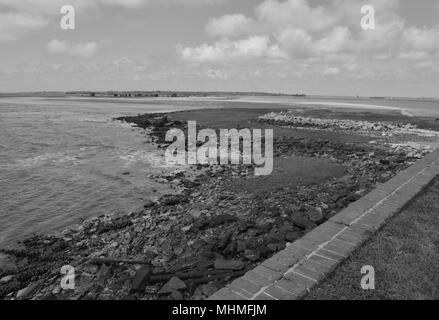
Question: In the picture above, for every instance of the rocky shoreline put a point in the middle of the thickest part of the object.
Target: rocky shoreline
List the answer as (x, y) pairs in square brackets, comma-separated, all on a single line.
[(187, 246), (370, 128)]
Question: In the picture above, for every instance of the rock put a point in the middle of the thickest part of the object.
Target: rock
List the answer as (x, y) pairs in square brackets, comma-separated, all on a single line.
[(240, 246), (221, 264), (160, 121), (104, 275), (198, 294), (90, 268), (245, 225), (204, 264), (276, 247), (222, 243), (200, 224), (141, 279), (414, 145), (293, 236), (148, 204), (176, 295), (275, 235), (56, 290), (195, 213), (186, 228), (230, 250), (208, 289), (152, 290), (6, 279), (221, 219), (26, 292), (178, 251), (300, 221), (174, 284), (172, 200), (316, 215), (252, 255)]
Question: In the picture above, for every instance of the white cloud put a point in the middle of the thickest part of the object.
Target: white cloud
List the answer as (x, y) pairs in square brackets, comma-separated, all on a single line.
[(331, 71), (14, 25), (307, 40), (295, 14), (23, 16), (414, 55), (53, 6), (336, 41), (216, 74), (297, 42), (84, 50), (422, 39), (230, 25), (227, 50), (57, 46), (300, 44)]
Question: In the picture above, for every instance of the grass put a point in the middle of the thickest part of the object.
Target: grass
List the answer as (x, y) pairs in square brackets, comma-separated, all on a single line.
[(404, 254)]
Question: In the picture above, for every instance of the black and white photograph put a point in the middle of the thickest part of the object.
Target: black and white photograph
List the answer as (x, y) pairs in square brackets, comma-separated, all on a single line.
[(219, 158)]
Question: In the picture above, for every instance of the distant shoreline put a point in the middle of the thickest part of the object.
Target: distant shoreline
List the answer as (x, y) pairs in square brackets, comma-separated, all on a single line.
[(412, 107), (192, 94)]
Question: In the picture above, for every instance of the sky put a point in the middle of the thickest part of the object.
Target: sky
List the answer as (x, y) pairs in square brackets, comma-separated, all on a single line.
[(279, 46)]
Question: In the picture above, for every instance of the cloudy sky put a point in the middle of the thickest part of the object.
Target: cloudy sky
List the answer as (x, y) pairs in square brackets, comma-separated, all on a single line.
[(289, 46)]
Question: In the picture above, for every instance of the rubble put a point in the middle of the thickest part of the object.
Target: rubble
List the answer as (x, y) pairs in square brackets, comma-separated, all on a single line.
[(289, 118)]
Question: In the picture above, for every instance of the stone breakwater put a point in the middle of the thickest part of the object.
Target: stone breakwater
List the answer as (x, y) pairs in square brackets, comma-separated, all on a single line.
[(289, 118), (189, 245)]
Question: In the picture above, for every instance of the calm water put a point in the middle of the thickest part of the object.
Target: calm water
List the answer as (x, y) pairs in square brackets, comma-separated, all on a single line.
[(62, 160)]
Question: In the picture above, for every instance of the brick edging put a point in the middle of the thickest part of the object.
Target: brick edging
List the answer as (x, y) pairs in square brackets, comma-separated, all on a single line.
[(293, 272)]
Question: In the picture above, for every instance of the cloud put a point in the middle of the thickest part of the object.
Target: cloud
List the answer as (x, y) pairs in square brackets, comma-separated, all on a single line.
[(216, 74), (53, 6), (308, 40), (422, 39), (13, 25), (19, 17), (230, 25), (413, 55), (331, 71), (295, 14), (226, 50), (296, 41), (84, 50)]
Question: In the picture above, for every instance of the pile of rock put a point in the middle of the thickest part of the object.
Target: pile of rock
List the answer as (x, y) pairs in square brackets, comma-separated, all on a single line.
[(290, 119)]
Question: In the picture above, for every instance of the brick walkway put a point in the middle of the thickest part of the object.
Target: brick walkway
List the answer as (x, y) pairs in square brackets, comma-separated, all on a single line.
[(291, 273)]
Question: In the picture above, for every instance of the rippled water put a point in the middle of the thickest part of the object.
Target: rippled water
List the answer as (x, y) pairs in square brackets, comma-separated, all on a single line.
[(63, 160)]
